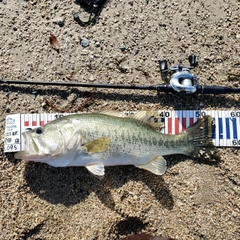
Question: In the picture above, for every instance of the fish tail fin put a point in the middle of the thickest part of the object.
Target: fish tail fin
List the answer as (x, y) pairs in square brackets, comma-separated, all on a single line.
[(200, 136)]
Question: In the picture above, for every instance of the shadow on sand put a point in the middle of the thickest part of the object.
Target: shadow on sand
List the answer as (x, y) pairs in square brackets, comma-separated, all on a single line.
[(175, 100), (72, 185)]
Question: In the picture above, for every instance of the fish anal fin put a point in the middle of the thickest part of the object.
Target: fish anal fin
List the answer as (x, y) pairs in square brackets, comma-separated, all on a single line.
[(156, 165), (96, 169), (98, 145), (150, 117)]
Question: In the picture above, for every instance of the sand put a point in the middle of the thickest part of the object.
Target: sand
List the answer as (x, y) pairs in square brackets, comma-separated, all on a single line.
[(194, 199)]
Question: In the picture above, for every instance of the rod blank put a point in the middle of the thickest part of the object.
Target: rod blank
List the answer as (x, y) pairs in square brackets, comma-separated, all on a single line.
[(159, 88)]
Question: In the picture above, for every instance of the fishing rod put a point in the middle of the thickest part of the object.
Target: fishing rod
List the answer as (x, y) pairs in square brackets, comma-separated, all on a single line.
[(181, 81)]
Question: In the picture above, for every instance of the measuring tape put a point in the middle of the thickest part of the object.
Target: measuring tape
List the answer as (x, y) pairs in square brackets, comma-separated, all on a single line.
[(227, 133)]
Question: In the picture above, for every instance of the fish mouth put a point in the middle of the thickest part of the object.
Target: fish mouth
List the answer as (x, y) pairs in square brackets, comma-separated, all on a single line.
[(34, 149), (31, 149), (30, 144)]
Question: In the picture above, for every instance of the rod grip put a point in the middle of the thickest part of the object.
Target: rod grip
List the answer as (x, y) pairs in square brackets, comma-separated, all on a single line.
[(216, 90)]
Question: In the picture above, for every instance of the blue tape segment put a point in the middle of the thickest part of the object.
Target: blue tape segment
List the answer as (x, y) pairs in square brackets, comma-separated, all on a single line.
[(234, 121), (227, 128), (220, 128), (214, 132)]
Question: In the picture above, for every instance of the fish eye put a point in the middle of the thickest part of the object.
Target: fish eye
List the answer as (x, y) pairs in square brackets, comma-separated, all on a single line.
[(39, 130)]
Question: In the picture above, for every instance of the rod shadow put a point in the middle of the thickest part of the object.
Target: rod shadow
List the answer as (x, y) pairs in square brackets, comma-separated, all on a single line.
[(175, 100)]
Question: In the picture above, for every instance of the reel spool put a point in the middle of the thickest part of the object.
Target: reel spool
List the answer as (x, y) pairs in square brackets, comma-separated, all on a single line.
[(181, 78)]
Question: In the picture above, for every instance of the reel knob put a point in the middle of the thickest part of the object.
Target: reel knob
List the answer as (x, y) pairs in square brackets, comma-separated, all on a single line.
[(163, 65), (193, 61)]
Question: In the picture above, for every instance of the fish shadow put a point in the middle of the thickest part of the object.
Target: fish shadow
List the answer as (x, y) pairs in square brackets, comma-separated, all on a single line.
[(212, 160), (69, 186)]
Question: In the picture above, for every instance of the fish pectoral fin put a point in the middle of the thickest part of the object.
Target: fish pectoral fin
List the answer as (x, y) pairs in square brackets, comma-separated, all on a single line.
[(98, 145), (157, 165), (97, 169), (150, 117)]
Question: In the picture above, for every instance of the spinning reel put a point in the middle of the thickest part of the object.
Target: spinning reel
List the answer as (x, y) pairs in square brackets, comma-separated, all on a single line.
[(181, 78)]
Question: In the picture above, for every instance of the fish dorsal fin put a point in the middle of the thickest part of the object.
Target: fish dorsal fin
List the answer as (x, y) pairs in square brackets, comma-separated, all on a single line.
[(113, 113), (156, 165), (98, 145), (150, 117), (97, 169)]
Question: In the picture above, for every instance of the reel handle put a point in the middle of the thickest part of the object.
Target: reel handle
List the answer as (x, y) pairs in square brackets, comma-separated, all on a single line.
[(163, 65), (193, 61)]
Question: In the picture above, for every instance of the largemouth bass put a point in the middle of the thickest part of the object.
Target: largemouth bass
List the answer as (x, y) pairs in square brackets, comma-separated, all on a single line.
[(95, 140)]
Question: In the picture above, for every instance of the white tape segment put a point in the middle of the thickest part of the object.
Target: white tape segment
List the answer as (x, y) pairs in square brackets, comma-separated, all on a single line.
[(227, 124)]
